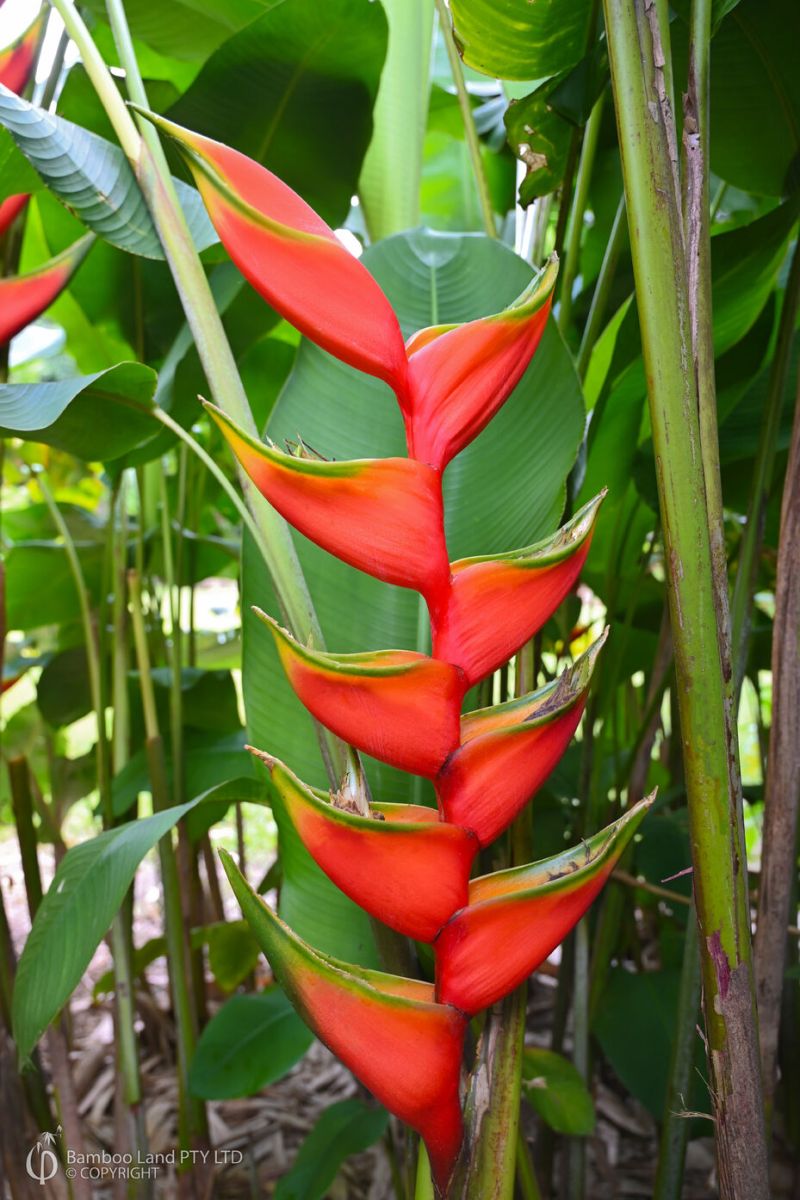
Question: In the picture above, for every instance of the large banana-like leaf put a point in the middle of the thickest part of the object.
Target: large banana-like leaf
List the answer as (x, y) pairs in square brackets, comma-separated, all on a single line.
[(93, 179), (515, 39), (493, 502)]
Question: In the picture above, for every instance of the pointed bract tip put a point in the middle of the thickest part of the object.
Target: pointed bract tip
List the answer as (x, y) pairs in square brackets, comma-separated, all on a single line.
[(267, 759)]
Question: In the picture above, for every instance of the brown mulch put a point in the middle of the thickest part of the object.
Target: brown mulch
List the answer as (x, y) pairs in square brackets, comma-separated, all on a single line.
[(269, 1128)]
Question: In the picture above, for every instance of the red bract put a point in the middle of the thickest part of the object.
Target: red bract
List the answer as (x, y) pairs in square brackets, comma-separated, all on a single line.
[(398, 706), (408, 865), (10, 210), (23, 298), (390, 1032), (16, 63)]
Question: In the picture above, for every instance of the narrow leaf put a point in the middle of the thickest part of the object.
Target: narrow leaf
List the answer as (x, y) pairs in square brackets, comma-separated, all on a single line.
[(404, 1048), (497, 603), (526, 910), (23, 298), (459, 376), (402, 865), (382, 515), (399, 706), (508, 751), (293, 258)]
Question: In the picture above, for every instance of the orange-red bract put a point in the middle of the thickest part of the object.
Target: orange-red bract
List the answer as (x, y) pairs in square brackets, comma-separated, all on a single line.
[(23, 298), (10, 210), (294, 259), (16, 63), (382, 515), (507, 752), (390, 1032), (399, 706), (515, 918), (497, 603), (401, 865), (459, 376)]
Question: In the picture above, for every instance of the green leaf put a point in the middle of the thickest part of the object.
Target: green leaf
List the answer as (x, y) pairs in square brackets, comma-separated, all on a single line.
[(209, 763), (16, 173), (515, 39), (494, 501), (92, 177), (63, 692), (97, 417), (540, 137), (390, 177), (40, 589), (556, 1090), (249, 1043), (294, 90), (78, 908), (189, 30), (346, 1128), (232, 953)]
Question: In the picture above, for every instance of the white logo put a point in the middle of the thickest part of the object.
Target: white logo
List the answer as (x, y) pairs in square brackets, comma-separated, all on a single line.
[(42, 1162)]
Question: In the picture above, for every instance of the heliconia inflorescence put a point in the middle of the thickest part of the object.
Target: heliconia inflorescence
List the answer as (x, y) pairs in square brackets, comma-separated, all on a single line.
[(407, 865)]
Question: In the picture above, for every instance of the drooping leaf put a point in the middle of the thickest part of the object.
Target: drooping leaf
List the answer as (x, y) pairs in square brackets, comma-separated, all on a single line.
[(496, 603), (557, 1091), (526, 910), (293, 258), (96, 417), (389, 1031), (251, 1042), (508, 751), (346, 1128), (93, 179), (75, 913), (401, 864), (23, 298), (399, 706), (515, 39)]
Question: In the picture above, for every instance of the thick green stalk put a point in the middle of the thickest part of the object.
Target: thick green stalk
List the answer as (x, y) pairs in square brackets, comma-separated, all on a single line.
[(572, 243), (602, 289), (708, 737), (423, 1188), (750, 551), (470, 132), (191, 1112), (526, 1171)]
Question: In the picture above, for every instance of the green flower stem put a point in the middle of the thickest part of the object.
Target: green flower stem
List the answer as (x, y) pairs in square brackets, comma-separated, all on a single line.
[(191, 1111), (526, 1171), (575, 224), (708, 738), (423, 1189), (602, 289), (470, 132)]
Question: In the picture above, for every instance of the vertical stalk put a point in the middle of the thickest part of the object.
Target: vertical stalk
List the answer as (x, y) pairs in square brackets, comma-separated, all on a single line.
[(575, 224), (708, 736), (191, 1112), (576, 1157), (470, 132), (782, 796), (602, 289)]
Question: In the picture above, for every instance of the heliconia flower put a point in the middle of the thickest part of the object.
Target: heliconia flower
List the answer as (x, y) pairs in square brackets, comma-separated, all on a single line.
[(293, 258), (508, 751), (25, 297), (402, 865), (16, 63), (496, 603), (402, 1045), (460, 375), (527, 911), (382, 515), (399, 706), (10, 210)]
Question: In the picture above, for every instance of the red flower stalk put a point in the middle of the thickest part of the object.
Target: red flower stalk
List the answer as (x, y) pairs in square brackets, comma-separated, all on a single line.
[(23, 298), (406, 865)]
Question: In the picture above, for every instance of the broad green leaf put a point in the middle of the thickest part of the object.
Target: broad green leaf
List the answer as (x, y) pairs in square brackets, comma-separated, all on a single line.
[(92, 177), (232, 951), (63, 692), (219, 798), (40, 589), (390, 175), (540, 138), (346, 1128), (96, 417), (209, 762), (506, 490), (294, 90), (515, 39), (189, 30), (203, 935), (249, 1043), (78, 908), (557, 1091)]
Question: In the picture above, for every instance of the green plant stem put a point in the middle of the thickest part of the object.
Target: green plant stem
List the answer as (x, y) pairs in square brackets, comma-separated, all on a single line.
[(576, 1158), (580, 198), (423, 1188), (675, 1126), (191, 1112), (708, 738), (602, 289), (470, 132), (750, 551), (526, 1171)]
